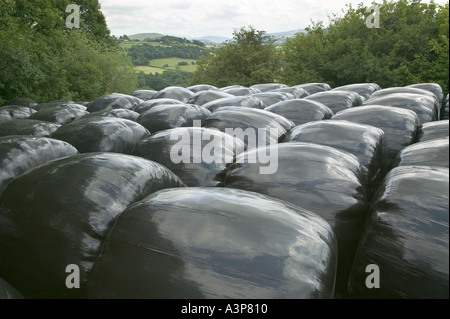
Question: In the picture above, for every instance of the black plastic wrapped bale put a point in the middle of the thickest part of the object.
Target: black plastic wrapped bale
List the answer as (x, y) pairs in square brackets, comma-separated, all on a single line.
[(244, 101), (400, 126), (319, 178), (174, 92), (28, 127), (113, 101), (144, 94), (402, 89), (366, 142), (270, 98), (298, 92), (240, 91), (215, 243), (435, 88), (8, 292), (147, 105), (119, 113), (15, 112), (164, 117), (201, 87), (406, 238), (102, 134), (20, 101), (433, 130), (56, 103), (60, 115), (265, 87), (363, 89), (301, 111), (20, 153), (445, 108), (425, 107), (427, 153), (253, 126), (197, 155), (312, 88), (337, 100), (58, 215), (203, 97)]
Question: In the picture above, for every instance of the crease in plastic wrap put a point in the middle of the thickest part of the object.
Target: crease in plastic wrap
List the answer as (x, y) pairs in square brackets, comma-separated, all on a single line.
[(427, 153), (433, 130), (59, 214), (337, 100), (243, 101), (315, 177), (215, 243), (113, 101), (174, 92), (60, 115), (301, 111), (28, 127), (15, 112), (406, 237)]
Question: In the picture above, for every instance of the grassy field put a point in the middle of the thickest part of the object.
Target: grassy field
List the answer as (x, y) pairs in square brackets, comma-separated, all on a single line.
[(168, 64)]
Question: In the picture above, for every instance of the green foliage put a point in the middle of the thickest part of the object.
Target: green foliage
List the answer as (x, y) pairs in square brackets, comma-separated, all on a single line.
[(249, 58), (410, 46), (159, 81), (43, 60)]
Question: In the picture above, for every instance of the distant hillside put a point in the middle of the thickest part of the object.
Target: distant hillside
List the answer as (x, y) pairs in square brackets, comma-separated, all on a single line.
[(144, 36), (212, 39)]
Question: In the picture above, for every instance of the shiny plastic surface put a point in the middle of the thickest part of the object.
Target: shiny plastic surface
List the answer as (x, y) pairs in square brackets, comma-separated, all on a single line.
[(8, 292), (20, 153), (399, 125), (113, 101), (312, 88), (337, 100), (144, 94), (28, 127), (119, 113), (301, 111), (60, 115), (164, 117), (363, 89), (200, 165), (147, 105), (244, 101), (267, 127), (433, 130), (270, 98), (427, 153), (60, 213), (435, 88), (203, 97), (102, 134), (318, 178), (215, 243), (201, 87), (15, 112), (296, 91), (265, 87), (406, 237), (240, 91), (174, 92)]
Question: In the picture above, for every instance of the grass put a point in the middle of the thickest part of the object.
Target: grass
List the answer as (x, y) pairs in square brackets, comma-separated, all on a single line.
[(168, 64)]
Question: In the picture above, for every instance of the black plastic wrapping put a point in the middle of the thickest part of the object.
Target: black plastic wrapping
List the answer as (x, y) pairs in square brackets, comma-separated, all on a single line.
[(60, 115), (298, 92), (435, 88), (144, 94), (270, 98), (363, 89), (163, 117), (445, 109), (203, 97), (174, 92), (20, 101), (15, 112), (366, 142), (147, 105), (240, 91), (113, 101), (301, 111), (263, 127), (318, 178), (215, 243), (312, 88), (102, 134), (244, 101), (265, 87), (119, 113), (197, 155), (20, 153), (60, 213), (337, 100), (400, 126), (402, 89), (201, 87), (8, 292), (428, 153), (406, 237), (28, 127), (56, 103), (425, 107), (433, 130)]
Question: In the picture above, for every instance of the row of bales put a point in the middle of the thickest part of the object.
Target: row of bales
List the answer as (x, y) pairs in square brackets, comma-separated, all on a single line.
[(99, 200)]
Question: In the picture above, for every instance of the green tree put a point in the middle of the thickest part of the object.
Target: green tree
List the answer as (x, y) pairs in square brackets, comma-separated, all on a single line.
[(410, 46), (249, 58)]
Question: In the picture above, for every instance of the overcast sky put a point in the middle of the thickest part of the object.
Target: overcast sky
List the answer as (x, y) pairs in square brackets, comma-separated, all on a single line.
[(195, 18)]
